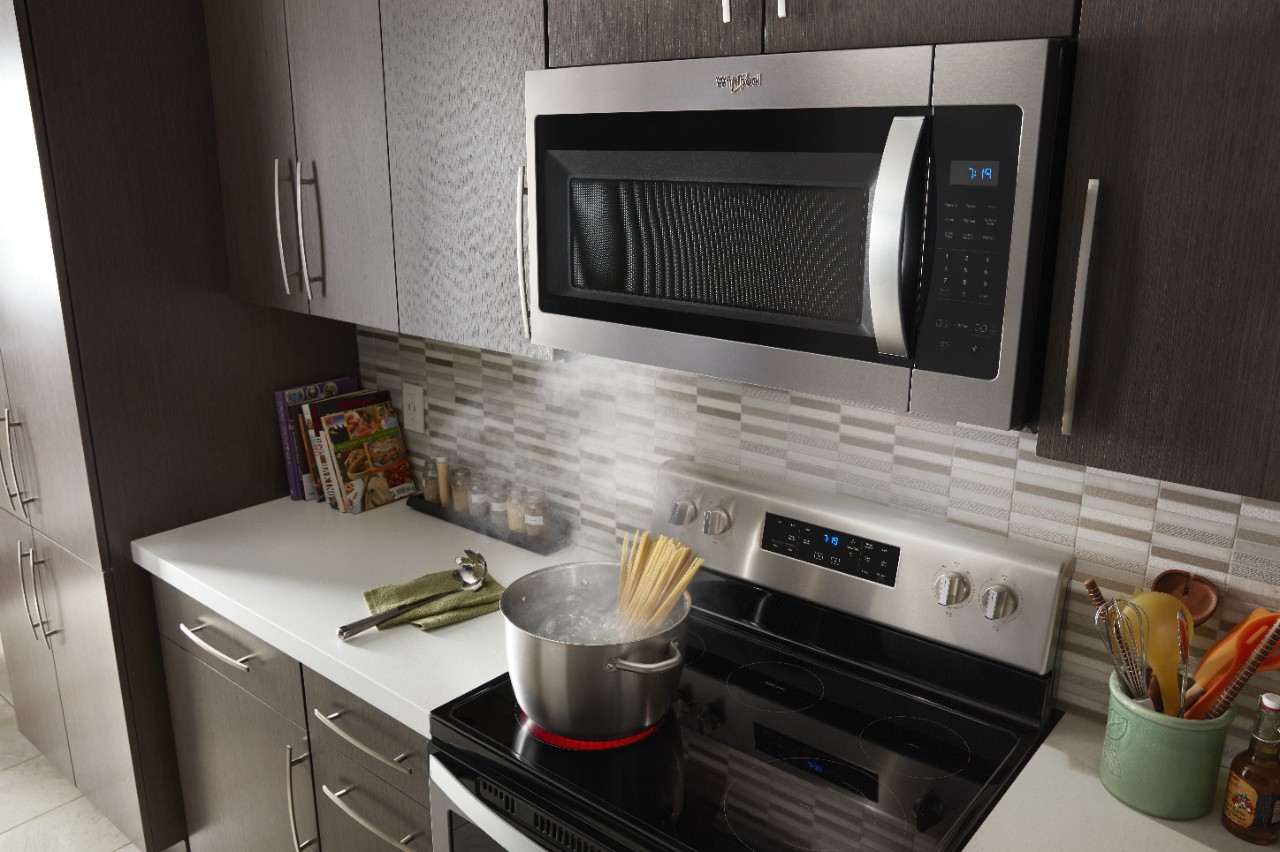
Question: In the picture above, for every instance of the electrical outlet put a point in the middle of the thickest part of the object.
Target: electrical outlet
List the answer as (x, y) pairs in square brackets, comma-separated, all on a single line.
[(414, 416)]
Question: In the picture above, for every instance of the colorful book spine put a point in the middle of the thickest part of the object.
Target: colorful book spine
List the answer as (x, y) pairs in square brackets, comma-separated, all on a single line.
[(291, 440)]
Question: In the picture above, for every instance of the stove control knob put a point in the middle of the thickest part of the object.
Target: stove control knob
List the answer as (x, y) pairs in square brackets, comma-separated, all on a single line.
[(951, 588), (997, 602), (716, 521), (683, 512)]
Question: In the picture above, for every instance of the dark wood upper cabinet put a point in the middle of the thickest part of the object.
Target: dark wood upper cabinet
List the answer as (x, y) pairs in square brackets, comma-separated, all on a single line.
[(1175, 113), (588, 32), (301, 118), (836, 24)]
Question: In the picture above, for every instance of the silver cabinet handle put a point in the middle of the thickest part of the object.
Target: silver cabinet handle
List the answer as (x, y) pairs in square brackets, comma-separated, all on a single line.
[(887, 237), (393, 762), (22, 580), (35, 594), (289, 763), (336, 798), (1077, 307), (4, 475), (11, 420), (725, 14), (302, 241), (285, 274), (521, 191), (191, 632), (782, 8)]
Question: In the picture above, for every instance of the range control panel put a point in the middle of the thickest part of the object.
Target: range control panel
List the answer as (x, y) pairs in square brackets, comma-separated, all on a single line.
[(975, 151), (914, 572)]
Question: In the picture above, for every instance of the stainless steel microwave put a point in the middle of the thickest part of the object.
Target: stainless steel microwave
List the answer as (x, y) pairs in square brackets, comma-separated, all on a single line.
[(866, 225)]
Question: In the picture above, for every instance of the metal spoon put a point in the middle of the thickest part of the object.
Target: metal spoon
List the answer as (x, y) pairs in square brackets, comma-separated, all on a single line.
[(470, 573)]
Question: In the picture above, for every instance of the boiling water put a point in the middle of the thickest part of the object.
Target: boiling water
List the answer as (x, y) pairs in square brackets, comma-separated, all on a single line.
[(582, 615)]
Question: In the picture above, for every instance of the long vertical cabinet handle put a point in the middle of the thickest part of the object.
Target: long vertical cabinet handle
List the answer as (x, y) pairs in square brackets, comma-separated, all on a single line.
[(1077, 307), (285, 274), (725, 14), (11, 420), (302, 240), (23, 554), (12, 494), (782, 8), (336, 798), (887, 237), (35, 593), (290, 762), (521, 192)]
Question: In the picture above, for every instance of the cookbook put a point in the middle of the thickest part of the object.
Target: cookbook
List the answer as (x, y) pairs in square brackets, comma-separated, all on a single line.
[(302, 485), (365, 450)]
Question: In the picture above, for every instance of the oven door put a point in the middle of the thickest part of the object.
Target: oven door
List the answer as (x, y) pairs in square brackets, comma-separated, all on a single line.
[(756, 219), (460, 822)]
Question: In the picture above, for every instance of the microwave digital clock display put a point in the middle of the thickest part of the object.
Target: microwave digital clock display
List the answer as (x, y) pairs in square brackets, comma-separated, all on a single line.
[(975, 173)]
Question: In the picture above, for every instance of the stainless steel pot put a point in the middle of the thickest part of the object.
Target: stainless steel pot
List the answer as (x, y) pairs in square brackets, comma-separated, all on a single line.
[(588, 691)]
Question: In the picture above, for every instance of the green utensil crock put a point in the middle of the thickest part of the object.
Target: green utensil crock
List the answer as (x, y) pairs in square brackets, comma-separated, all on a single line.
[(1161, 765)]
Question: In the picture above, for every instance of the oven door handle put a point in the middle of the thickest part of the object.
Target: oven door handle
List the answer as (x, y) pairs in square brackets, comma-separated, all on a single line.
[(889, 233), (476, 812)]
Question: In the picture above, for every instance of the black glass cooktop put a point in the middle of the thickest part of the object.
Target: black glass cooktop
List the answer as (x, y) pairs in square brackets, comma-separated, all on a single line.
[(769, 747)]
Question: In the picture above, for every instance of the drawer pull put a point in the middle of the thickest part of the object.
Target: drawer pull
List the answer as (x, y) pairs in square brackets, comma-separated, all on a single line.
[(22, 579), (393, 762), (205, 646), (336, 798), (289, 763)]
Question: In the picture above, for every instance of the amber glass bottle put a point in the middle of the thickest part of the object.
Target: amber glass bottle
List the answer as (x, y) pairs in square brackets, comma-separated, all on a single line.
[(1251, 810)]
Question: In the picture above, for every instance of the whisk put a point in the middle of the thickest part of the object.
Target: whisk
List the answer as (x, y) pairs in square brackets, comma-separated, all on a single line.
[(1123, 628)]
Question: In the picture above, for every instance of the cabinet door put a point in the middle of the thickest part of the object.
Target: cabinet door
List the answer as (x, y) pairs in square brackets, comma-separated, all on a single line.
[(28, 656), (44, 426), (369, 813), (1175, 112), (832, 24), (455, 112), (588, 32), (335, 64), (241, 763), (74, 599), (253, 109)]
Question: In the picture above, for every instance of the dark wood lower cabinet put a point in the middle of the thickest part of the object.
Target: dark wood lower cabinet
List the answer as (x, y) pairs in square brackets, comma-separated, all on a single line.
[(359, 812), (234, 759)]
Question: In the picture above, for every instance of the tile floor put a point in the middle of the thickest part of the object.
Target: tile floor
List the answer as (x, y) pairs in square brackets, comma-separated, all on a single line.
[(40, 811)]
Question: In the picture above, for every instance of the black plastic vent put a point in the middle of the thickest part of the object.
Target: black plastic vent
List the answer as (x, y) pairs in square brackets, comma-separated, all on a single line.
[(559, 834), (497, 796)]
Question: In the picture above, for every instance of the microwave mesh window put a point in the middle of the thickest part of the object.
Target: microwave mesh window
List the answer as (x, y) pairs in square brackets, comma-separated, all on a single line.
[(788, 250)]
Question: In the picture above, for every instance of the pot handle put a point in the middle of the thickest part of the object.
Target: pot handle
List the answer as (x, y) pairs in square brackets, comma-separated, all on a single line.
[(617, 664)]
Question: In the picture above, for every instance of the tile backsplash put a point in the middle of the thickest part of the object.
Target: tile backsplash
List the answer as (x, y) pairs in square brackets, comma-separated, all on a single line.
[(592, 432)]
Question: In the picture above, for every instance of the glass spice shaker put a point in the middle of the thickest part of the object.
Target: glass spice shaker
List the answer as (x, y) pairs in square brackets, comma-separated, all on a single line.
[(460, 487), (515, 509), (431, 485), (442, 476), (537, 514), (498, 506), (478, 499)]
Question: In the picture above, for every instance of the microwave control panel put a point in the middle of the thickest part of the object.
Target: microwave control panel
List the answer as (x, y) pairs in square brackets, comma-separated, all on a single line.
[(966, 266)]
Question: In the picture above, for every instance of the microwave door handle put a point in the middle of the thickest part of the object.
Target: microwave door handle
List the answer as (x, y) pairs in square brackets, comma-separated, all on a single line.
[(890, 204)]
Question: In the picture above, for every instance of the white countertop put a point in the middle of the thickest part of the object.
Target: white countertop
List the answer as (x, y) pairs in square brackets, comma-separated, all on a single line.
[(290, 572)]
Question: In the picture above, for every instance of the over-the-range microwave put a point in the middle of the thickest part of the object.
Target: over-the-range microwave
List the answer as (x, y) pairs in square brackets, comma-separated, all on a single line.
[(866, 225)]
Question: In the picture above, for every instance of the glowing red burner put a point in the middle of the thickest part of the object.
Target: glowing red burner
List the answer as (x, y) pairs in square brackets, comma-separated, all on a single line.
[(542, 735)]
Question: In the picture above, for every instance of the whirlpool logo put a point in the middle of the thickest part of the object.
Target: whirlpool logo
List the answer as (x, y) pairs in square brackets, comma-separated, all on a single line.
[(737, 82)]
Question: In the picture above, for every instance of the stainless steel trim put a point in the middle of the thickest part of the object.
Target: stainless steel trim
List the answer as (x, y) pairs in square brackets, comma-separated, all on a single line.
[(289, 763), (393, 762), (302, 240), (520, 282), (336, 798), (887, 233), (191, 632), (782, 8), (1005, 72), (1077, 306), (22, 580), (284, 269), (35, 594), (449, 794)]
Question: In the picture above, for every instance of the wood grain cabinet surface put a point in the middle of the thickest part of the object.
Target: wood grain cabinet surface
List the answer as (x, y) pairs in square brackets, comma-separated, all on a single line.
[(302, 146), (1175, 113), (369, 813), (588, 32)]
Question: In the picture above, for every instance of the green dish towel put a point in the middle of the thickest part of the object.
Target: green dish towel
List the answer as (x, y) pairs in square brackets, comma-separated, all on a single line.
[(443, 611)]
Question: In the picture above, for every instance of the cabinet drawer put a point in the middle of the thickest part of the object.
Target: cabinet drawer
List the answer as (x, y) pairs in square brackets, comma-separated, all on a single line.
[(392, 751), (264, 672), (357, 811)]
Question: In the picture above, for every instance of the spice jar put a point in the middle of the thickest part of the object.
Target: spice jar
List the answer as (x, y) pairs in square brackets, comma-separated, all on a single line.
[(460, 487), (498, 506), (537, 513), (478, 499), (515, 509), (442, 477), (431, 485)]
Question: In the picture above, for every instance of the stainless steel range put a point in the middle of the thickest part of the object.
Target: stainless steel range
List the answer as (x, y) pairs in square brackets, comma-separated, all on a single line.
[(856, 677)]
